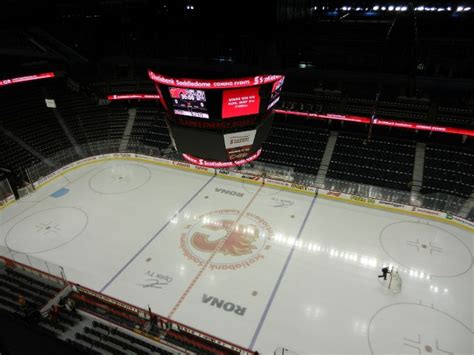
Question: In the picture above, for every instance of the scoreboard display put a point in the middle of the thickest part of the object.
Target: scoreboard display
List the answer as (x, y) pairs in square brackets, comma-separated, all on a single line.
[(219, 119), (188, 102)]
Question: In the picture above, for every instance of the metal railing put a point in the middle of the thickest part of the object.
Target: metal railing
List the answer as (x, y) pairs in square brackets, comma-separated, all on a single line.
[(33, 264)]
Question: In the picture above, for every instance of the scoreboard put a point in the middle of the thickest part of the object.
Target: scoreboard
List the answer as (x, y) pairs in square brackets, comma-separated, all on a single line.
[(219, 119)]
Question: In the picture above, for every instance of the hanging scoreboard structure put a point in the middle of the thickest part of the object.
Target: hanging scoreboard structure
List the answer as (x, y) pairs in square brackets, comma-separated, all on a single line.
[(213, 121)]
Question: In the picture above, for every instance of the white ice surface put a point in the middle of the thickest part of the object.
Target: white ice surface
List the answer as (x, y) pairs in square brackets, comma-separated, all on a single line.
[(118, 230)]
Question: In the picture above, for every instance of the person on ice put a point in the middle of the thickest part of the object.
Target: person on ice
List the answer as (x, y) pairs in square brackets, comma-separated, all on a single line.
[(385, 272)]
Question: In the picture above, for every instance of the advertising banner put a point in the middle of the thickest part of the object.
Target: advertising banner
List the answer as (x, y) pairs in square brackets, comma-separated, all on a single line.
[(239, 144), (23, 79), (213, 83), (133, 96), (241, 102)]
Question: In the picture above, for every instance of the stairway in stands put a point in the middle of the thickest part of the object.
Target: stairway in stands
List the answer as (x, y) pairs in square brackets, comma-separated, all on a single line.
[(326, 160)]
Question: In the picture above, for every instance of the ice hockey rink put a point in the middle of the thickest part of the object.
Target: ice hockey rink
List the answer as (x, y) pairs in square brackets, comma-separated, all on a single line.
[(260, 267)]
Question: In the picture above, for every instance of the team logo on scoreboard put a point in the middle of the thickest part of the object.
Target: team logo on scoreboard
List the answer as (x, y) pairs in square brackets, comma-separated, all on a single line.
[(230, 241)]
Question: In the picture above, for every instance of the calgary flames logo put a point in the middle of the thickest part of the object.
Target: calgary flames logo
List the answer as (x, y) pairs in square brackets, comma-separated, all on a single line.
[(238, 239), (227, 239)]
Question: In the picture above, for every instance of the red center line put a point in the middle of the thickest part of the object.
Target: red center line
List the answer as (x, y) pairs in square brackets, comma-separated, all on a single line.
[(216, 250)]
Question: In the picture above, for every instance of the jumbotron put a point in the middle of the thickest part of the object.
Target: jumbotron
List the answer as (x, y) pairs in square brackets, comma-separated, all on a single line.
[(219, 122)]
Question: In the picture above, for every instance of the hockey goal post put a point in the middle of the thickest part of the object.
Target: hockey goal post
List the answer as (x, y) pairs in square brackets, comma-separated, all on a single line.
[(25, 191), (395, 283)]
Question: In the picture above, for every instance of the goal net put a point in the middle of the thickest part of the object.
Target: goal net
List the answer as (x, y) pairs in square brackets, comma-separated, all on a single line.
[(395, 283), (284, 351), (25, 191)]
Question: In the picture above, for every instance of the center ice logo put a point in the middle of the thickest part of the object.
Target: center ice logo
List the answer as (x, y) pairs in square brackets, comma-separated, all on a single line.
[(226, 239), (238, 240)]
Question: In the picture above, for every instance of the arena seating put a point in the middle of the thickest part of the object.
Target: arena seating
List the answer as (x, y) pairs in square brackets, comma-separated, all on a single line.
[(102, 337), (123, 86), (17, 329), (36, 294), (94, 343), (388, 109), (315, 102), (448, 170), (470, 216), (121, 339), (385, 162), (108, 337), (88, 121), (295, 142), (150, 129), (382, 162), (47, 290), (455, 116), (82, 348), (115, 337), (404, 109), (13, 155), (24, 113), (296, 147), (13, 286)]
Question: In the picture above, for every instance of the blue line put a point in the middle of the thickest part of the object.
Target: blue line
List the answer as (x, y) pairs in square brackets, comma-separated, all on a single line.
[(156, 235), (277, 285)]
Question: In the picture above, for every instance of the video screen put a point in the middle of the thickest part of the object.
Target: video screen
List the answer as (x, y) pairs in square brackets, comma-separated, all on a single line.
[(189, 102), (276, 90), (240, 102)]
